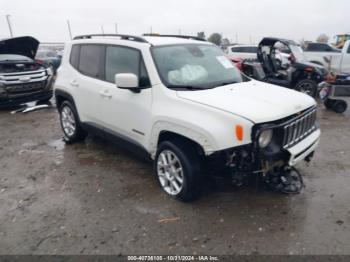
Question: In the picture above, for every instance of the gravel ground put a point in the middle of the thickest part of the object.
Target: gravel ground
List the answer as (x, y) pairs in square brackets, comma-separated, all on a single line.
[(97, 198)]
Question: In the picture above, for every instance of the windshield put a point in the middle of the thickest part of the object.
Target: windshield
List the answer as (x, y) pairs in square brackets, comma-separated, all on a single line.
[(195, 66), (297, 52)]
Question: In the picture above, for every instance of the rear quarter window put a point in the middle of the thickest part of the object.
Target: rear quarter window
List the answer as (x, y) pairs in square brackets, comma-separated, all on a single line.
[(74, 56)]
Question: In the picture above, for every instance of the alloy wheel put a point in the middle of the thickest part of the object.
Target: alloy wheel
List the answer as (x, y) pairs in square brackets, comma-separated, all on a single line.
[(170, 172), (68, 121)]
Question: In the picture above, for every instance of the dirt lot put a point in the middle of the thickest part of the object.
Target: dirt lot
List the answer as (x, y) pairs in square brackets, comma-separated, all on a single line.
[(96, 198)]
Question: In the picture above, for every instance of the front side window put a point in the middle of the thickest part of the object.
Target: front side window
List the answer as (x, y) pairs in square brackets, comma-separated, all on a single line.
[(196, 66), (125, 60), (90, 60)]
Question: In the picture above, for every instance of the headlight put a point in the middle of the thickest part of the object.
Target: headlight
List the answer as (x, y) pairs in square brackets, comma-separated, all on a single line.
[(265, 138)]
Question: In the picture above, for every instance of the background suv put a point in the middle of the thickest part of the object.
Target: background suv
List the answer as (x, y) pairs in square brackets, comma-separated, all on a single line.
[(22, 79)]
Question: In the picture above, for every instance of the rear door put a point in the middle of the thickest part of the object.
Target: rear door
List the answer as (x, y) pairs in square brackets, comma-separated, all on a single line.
[(88, 80)]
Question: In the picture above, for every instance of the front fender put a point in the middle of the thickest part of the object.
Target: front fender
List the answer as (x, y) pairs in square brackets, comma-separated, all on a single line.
[(200, 137)]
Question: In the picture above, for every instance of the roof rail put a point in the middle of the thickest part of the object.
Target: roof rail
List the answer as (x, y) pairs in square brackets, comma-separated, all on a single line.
[(123, 37), (178, 36)]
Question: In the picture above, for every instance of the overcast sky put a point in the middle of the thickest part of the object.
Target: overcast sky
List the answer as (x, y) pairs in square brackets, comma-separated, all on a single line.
[(244, 19)]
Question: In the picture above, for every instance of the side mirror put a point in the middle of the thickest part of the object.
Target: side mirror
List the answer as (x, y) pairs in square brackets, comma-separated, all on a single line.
[(127, 81)]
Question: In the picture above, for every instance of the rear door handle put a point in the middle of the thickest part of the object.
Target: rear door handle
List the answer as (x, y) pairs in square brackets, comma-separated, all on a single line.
[(74, 83), (105, 93)]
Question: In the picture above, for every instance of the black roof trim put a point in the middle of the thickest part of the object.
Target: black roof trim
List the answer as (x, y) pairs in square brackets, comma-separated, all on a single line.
[(178, 36), (123, 37)]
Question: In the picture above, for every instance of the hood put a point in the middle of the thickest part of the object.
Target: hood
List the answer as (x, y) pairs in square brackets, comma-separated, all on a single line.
[(25, 45), (256, 101), (321, 70), (309, 64)]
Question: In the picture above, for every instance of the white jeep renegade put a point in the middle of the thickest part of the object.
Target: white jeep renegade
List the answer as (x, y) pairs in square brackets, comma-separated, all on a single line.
[(181, 101)]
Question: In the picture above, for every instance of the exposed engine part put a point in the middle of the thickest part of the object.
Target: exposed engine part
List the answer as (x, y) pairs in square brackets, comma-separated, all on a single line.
[(240, 165), (287, 180)]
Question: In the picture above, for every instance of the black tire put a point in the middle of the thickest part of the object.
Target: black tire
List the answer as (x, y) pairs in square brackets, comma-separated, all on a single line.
[(190, 164), (329, 103), (307, 86), (78, 134), (339, 106)]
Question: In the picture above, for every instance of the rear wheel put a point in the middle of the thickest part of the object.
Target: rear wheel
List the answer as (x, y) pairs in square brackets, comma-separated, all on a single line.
[(307, 86), (70, 124), (339, 106), (177, 169)]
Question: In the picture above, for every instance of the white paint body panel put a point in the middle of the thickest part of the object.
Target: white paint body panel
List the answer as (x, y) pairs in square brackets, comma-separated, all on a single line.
[(242, 55), (339, 62), (207, 117)]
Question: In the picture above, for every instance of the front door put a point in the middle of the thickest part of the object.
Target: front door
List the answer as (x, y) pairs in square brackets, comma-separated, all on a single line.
[(125, 112)]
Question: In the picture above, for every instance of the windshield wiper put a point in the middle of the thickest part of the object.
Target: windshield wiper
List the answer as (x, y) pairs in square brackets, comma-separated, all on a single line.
[(226, 83), (188, 87)]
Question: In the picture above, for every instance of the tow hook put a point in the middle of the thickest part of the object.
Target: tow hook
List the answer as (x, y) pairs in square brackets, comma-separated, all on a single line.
[(286, 180), (309, 157)]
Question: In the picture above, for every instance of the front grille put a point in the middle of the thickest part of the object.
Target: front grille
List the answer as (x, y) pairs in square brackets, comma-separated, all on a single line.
[(23, 88), (23, 77), (299, 128)]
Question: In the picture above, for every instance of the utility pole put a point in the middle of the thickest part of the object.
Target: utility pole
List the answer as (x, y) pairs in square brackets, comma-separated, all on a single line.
[(69, 30), (116, 28), (9, 24), (102, 30)]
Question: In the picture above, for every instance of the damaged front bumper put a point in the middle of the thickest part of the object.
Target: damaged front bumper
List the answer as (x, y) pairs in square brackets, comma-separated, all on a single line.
[(304, 148), (294, 139)]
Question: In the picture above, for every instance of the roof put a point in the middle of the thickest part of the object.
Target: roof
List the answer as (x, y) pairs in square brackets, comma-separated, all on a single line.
[(242, 46), (270, 41), (154, 40)]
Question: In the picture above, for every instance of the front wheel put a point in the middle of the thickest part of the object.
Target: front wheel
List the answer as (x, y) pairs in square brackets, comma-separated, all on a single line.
[(177, 169), (307, 86)]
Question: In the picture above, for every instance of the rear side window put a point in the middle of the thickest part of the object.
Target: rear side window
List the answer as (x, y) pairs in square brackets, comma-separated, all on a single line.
[(91, 60), (237, 49), (125, 60), (244, 49), (318, 47), (74, 56), (253, 49)]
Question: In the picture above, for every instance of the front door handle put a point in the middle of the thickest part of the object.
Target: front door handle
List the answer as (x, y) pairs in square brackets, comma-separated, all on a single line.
[(74, 83), (105, 93)]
